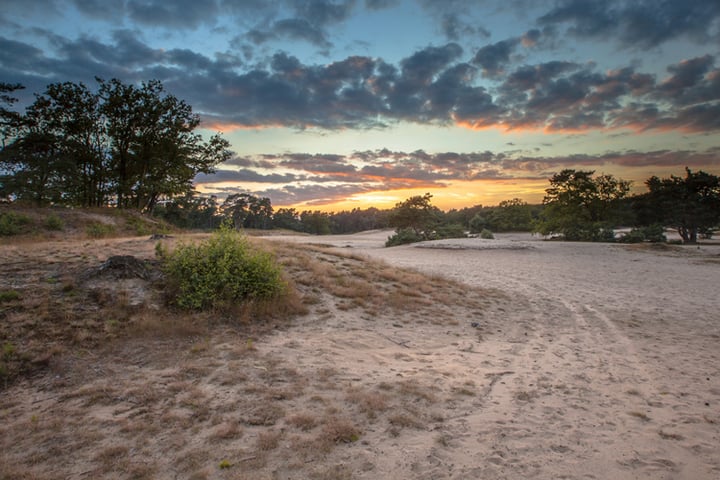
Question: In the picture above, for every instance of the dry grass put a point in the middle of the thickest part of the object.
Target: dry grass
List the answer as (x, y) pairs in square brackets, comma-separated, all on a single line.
[(353, 282)]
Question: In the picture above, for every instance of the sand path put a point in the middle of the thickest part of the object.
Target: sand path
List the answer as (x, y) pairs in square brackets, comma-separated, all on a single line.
[(604, 364)]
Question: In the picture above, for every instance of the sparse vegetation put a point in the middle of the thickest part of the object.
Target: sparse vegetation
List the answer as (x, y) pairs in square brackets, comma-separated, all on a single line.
[(486, 234), (99, 230), (12, 223), (9, 295)]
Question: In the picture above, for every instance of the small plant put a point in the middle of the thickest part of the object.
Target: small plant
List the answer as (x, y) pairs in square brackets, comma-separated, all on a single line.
[(224, 464), (161, 251), (652, 233), (8, 350), (53, 222), (9, 296), (12, 223), (99, 230), (402, 237), (221, 271), (486, 234)]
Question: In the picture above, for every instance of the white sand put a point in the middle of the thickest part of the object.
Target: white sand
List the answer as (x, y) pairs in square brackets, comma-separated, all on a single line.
[(605, 363)]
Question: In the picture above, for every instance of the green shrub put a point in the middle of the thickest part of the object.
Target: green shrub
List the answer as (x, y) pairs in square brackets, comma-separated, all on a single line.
[(633, 236), (478, 223), (53, 222), (12, 223), (452, 230), (8, 295), (99, 230), (486, 234), (219, 272), (652, 233), (403, 236)]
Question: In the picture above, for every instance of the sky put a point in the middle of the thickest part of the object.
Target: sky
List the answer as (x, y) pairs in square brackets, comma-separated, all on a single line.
[(339, 104)]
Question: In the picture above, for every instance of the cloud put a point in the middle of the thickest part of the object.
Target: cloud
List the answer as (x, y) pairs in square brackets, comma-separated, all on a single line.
[(244, 176), (323, 12), (380, 4), (692, 81), (433, 85), (493, 58), (175, 14), (455, 18), (319, 179), (292, 28), (636, 24)]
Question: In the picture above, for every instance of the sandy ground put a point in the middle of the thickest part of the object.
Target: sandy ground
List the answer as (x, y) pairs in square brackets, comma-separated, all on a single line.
[(580, 361), (606, 363)]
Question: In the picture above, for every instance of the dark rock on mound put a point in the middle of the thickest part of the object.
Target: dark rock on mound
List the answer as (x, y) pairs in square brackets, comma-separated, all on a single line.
[(124, 266)]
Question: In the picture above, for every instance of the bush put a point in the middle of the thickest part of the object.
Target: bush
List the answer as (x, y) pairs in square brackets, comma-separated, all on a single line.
[(99, 230), (219, 272), (486, 234), (53, 222), (453, 230), (12, 223), (652, 233), (403, 237)]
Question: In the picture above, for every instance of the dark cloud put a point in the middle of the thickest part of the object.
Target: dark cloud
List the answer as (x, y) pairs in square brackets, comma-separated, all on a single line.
[(433, 85), (244, 175), (455, 18), (493, 58), (380, 4), (692, 81), (291, 28), (100, 9), (175, 14), (322, 12), (638, 23)]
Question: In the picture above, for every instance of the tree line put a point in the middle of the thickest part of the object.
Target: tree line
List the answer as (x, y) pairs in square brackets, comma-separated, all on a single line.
[(578, 206)]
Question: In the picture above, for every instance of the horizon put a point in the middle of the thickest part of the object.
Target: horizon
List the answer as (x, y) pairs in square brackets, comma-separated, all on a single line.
[(337, 104)]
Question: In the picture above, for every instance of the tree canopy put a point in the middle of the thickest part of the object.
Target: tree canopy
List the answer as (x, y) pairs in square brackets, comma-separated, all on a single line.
[(691, 205), (579, 206)]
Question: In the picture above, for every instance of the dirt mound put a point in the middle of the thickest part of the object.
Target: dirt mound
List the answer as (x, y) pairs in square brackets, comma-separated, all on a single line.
[(125, 266)]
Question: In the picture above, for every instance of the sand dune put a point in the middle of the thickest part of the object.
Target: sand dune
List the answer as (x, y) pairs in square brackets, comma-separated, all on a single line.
[(605, 363), (565, 360)]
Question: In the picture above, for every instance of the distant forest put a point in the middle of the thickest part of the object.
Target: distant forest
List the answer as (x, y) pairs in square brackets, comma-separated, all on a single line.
[(134, 147)]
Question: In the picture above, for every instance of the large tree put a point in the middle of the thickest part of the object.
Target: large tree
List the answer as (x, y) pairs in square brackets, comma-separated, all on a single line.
[(154, 148), (417, 214), (580, 206), (691, 204)]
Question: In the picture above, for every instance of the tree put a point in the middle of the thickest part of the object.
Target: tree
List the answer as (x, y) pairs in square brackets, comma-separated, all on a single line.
[(248, 211), (582, 207), (315, 222), (8, 118), (418, 214), (154, 149), (287, 218), (691, 204), (512, 215)]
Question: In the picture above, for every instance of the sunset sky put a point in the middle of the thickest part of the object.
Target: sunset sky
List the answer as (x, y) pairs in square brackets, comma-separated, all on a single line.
[(355, 103)]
